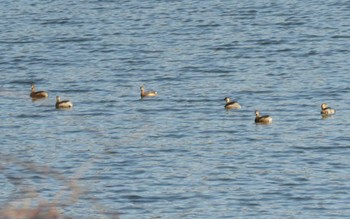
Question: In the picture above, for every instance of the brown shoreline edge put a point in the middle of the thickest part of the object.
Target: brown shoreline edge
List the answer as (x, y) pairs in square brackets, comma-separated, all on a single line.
[(38, 208)]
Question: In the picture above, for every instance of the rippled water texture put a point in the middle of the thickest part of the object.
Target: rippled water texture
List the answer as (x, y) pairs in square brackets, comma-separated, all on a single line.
[(180, 154)]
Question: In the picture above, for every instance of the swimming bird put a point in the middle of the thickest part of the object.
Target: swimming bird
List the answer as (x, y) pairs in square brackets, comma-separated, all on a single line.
[(63, 103), (262, 119), (231, 104), (326, 110), (147, 93), (38, 94)]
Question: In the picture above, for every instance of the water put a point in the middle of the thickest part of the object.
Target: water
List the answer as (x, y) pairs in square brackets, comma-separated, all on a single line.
[(179, 155)]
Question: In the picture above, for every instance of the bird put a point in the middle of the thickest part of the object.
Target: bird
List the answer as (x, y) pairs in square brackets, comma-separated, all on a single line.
[(38, 94), (63, 103), (326, 110), (231, 104), (262, 119), (147, 93)]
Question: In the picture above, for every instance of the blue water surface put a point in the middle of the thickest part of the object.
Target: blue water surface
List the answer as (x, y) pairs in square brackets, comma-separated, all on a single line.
[(180, 154)]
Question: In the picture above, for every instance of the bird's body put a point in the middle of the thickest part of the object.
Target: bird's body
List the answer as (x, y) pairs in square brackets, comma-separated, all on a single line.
[(326, 110), (38, 94), (147, 93), (231, 104), (63, 103), (262, 119)]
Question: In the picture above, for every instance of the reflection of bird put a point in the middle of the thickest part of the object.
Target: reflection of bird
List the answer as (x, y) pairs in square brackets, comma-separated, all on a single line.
[(231, 104), (38, 94), (147, 93), (262, 119), (63, 103)]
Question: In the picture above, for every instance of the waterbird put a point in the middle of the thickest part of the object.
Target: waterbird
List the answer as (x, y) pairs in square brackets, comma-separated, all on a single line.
[(262, 119), (147, 93), (63, 103), (326, 110), (38, 94), (231, 104)]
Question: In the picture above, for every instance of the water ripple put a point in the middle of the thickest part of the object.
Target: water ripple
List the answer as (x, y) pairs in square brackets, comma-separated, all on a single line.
[(180, 154)]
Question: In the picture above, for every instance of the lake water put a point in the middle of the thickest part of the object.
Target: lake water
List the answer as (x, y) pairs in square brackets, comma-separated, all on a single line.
[(180, 154)]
